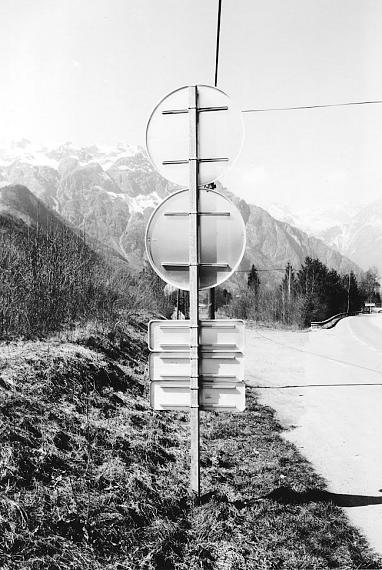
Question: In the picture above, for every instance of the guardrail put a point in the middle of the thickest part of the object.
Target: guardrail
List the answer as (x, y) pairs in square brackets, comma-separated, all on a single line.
[(332, 321)]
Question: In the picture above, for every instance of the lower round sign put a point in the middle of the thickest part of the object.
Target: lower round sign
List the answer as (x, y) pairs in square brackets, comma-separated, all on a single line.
[(221, 239)]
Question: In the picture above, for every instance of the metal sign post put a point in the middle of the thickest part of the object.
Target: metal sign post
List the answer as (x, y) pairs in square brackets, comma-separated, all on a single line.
[(208, 372), (194, 289)]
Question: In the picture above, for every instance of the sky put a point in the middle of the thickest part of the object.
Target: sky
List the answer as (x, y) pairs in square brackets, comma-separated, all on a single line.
[(91, 71)]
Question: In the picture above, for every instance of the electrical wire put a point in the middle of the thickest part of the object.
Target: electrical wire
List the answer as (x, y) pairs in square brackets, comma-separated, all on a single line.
[(302, 107), (217, 42), (266, 110), (287, 386), (270, 109), (271, 269)]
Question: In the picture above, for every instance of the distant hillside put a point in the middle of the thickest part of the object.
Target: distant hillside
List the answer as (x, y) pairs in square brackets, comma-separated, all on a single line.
[(54, 276), (272, 243), (18, 202), (48, 271), (110, 194), (355, 232)]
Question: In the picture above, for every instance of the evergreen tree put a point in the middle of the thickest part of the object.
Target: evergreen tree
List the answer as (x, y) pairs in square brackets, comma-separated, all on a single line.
[(253, 280), (322, 290)]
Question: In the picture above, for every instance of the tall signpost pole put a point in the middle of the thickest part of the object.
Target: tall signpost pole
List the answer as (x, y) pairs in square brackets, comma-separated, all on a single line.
[(196, 256), (194, 289)]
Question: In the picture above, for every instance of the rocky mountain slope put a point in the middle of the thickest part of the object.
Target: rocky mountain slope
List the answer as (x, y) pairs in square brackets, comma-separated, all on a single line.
[(354, 231), (109, 193), (271, 243), (22, 211)]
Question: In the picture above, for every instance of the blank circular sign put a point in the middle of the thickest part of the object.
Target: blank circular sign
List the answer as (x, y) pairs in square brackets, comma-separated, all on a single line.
[(220, 135), (221, 239)]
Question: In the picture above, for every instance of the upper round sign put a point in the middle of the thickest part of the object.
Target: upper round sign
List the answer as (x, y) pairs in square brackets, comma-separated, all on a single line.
[(220, 134), (221, 239)]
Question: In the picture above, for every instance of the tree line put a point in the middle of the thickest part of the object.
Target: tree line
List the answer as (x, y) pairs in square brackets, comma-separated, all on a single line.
[(313, 293), (51, 279)]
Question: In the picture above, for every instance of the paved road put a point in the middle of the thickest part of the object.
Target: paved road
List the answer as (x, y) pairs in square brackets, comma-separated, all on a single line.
[(335, 410)]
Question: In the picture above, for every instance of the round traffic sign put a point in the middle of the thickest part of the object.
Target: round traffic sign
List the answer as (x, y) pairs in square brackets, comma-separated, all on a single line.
[(220, 134), (221, 239)]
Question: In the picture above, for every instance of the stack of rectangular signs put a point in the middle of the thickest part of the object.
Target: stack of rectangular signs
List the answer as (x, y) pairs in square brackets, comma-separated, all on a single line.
[(221, 365)]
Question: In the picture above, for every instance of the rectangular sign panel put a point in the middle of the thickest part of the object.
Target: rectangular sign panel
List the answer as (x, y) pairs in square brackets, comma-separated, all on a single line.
[(176, 365), (217, 395), (226, 335)]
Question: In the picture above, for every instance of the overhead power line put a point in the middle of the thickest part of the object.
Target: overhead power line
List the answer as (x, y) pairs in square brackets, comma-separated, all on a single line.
[(271, 269), (351, 103), (287, 386), (217, 42), (272, 109)]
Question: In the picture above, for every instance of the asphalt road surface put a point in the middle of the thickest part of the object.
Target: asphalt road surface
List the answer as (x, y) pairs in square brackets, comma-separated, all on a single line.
[(326, 385)]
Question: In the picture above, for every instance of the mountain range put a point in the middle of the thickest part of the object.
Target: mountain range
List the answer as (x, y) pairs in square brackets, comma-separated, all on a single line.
[(354, 231), (110, 193), (361, 238)]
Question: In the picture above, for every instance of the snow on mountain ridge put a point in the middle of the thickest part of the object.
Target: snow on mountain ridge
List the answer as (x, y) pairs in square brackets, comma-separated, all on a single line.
[(114, 189), (137, 204), (314, 220), (37, 155)]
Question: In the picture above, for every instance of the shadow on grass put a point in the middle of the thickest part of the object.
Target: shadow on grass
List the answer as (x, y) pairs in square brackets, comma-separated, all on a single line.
[(287, 495)]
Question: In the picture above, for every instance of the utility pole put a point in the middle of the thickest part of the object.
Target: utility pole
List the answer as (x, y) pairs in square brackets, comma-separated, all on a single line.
[(289, 280), (211, 303)]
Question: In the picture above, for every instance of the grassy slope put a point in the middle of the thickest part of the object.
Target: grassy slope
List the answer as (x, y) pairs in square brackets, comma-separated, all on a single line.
[(91, 478)]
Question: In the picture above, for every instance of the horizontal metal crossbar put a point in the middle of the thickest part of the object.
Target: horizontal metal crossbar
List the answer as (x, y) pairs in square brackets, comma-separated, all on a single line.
[(218, 376), (199, 213), (199, 110), (206, 324), (186, 161), (166, 327), (217, 356), (178, 346), (219, 345), (216, 348), (182, 265), (175, 377), (168, 356)]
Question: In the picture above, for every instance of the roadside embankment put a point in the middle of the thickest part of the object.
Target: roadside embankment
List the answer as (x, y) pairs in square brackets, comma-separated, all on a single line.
[(91, 478)]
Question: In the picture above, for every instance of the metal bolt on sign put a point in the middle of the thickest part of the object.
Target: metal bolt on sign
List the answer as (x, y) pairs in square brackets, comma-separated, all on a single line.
[(193, 134)]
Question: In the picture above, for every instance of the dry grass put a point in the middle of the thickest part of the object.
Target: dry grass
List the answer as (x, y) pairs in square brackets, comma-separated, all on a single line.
[(91, 478)]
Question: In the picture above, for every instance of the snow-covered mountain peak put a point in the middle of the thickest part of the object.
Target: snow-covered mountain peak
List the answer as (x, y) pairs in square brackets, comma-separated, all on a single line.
[(26, 152)]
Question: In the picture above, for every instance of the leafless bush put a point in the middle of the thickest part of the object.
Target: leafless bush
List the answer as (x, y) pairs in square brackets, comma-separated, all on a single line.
[(51, 279)]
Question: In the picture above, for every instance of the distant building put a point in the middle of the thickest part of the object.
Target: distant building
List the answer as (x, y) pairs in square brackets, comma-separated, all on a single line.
[(372, 308)]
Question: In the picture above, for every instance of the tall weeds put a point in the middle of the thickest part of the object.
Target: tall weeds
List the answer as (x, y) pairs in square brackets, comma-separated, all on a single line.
[(52, 280)]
